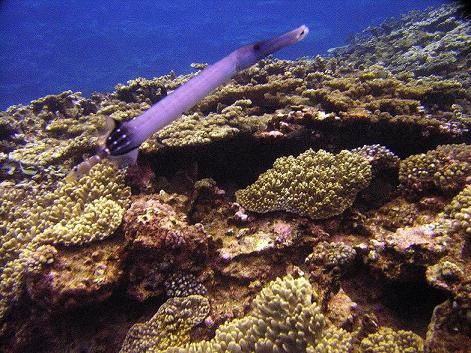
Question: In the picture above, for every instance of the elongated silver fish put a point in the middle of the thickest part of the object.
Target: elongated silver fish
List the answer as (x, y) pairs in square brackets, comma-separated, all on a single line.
[(123, 141)]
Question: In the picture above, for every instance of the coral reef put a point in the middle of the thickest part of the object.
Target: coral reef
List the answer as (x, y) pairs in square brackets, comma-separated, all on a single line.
[(421, 42), (315, 184), (285, 318), (370, 242)]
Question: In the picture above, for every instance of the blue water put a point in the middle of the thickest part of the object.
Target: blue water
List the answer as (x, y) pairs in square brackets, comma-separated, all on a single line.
[(50, 46)]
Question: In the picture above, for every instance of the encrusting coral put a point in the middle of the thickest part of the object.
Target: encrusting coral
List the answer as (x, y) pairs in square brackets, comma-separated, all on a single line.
[(315, 184), (182, 284), (161, 242), (332, 255), (73, 213)]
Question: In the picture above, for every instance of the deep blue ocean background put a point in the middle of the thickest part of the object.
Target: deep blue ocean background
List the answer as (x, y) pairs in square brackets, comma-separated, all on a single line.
[(50, 46)]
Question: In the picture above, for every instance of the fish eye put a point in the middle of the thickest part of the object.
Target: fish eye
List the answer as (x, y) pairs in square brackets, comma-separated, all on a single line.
[(256, 46)]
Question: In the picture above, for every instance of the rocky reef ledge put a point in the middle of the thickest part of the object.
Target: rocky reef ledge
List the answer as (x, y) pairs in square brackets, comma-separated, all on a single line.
[(316, 205)]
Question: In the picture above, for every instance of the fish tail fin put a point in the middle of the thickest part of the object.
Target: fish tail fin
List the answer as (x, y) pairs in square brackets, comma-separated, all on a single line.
[(84, 167)]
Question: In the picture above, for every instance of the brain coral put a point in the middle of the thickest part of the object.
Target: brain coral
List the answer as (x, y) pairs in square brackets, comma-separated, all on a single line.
[(286, 318), (446, 168), (315, 184), (71, 214)]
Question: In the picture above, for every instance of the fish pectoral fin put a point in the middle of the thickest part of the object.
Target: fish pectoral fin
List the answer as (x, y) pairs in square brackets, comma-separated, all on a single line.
[(126, 159)]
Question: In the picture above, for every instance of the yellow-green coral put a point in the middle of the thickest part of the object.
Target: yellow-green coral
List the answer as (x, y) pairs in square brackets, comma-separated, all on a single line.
[(169, 327), (47, 151), (334, 340), (386, 340), (446, 168), (459, 210), (73, 213), (331, 100), (285, 319), (197, 129), (315, 184)]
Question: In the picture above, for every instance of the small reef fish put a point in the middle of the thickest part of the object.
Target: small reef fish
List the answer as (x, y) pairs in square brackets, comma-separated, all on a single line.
[(122, 143)]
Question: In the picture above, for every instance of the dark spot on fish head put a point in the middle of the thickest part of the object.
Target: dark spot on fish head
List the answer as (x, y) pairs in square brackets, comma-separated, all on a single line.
[(256, 47)]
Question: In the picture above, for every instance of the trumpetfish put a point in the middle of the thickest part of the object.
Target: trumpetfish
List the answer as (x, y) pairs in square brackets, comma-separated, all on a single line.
[(124, 138)]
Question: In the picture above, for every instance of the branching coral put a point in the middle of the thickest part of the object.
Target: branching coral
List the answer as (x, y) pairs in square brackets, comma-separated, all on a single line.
[(446, 168), (47, 151), (51, 132), (315, 184), (72, 214)]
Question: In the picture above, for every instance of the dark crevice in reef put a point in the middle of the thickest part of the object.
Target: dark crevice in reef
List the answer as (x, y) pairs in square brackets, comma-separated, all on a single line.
[(405, 305), (77, 329), (241, 159), (413, 303)]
